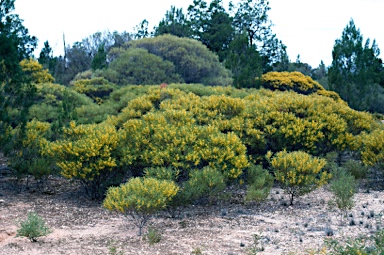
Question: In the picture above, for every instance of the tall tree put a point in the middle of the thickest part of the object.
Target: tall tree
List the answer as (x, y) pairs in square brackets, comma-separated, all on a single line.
[(245, 63), (174, 23), (141, 30), (77, 59), (47, 59), (15, 45), (218, 31), (212, 25), (356, 71), (251, 17)]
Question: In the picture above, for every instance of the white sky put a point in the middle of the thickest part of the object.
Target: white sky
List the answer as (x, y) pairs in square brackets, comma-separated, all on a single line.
[(306, 27)]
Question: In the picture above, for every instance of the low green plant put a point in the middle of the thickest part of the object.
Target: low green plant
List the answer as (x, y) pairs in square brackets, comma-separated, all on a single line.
[(197, 251), (204, 184), (260, 183), (33, 227), (153, 236), (355, 168), (256, 245), (113, 249), (358, 246), (343, 186)]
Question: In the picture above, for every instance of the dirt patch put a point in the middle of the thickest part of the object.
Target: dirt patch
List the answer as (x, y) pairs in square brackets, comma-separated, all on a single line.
[(83, 227)]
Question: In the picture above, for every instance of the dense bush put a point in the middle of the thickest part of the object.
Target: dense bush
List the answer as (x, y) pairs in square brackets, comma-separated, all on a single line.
[(192, 60), (54, 102), (138, 66), (33, 227), (86, 154), (259, 183), (27, 158), (170, 138)]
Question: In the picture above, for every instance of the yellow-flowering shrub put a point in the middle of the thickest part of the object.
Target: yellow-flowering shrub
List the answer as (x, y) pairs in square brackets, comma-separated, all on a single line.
[(140, 198), (36, 72), (372, 148), (295, 81), (298, 172), (96, 88), (27, 159), (156, 140), (86, 154)]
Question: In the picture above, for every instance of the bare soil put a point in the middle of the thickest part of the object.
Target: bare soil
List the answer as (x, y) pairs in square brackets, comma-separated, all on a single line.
[(81, 226)]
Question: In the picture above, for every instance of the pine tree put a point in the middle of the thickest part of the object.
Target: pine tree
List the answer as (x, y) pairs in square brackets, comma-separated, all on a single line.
[(356, 70)]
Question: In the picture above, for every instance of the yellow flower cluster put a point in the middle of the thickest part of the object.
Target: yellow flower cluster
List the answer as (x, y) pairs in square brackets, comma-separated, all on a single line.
[(299, 171), (295, 81), (140, 195), (36, 71), (85, 151), (372, 151)]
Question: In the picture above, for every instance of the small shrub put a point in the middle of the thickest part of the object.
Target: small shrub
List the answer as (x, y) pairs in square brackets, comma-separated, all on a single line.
[(162, 173), (197, 251), (204, 184), (355, 168), (260, 183), (140, 198), (153, 236), (298, 172), (343, 187), (33, 227)]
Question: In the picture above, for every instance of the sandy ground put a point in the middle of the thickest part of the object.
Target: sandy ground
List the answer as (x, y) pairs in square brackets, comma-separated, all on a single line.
[(80, 226)]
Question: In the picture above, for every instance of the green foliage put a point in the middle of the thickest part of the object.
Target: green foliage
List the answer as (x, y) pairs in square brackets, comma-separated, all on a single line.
[(174, 23), (343, 186), (355, 168), (140, 198), (252, 17), (162, 173), (16, 90), (57, 104), (204, 184), (259, 182), (33, 227), (298, 172), (356, 70), (138, 66), (153, 236), (359, 246), (244, 62), (99, 61), (192, 60)]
